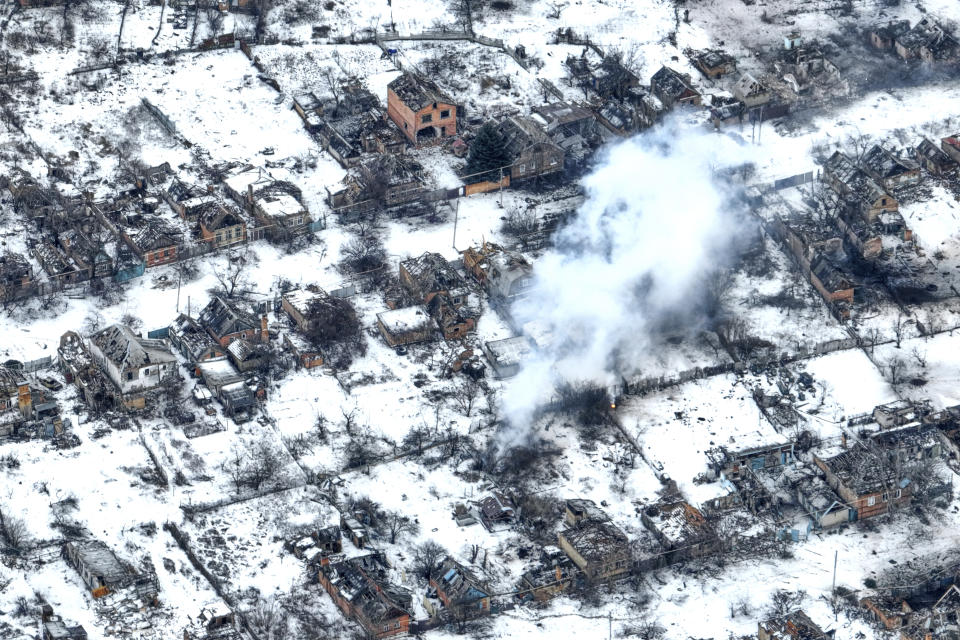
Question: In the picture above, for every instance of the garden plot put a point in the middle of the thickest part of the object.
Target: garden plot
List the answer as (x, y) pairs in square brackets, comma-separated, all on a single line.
[(243, 544), (677, 426), (924, 368), (770, 298)]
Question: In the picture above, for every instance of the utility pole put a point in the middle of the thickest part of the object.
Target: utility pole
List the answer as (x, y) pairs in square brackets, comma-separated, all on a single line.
[(833, 590), (456, 218), (610, 621), (501, 187)]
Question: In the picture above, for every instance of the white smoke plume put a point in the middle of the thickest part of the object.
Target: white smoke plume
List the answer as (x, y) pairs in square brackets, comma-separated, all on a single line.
[(658, 218)]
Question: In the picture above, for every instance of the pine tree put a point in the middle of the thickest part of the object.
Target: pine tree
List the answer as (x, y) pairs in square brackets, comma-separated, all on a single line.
[(488, 153)]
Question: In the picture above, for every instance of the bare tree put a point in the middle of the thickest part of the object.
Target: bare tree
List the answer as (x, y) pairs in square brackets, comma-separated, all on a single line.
[(233, 278), (13, 530), (465, 395), (398, 525), (783, 602), (899, 326), (897, 367), (426, 556)]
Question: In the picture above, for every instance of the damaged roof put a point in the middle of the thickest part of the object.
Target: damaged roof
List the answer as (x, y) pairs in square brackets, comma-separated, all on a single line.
[(126, 350), (417, 93)]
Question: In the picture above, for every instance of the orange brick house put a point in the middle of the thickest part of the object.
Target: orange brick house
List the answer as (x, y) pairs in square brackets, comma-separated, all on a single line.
[(359, 588), (420, 110)]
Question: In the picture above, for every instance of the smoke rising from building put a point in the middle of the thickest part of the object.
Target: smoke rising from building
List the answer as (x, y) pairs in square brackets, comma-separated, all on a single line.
[(658, 219)]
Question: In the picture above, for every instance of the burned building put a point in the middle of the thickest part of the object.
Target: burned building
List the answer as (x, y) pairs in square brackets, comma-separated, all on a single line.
[(533, 154), (410, 325), (221, 226), (133, 364), (420, 110), (350, 124), (598, 548), (193, 341), (103, 572), (889, 169), (796, 625), (225, 320), (929, 41), (934, 159), (681, 529), (606, 76), (276, 204), (359, 587), (156, 243), (457, 589), (16, 277), (384, 181), (866, 482), (503, 274), (714, 63), (673, 88)]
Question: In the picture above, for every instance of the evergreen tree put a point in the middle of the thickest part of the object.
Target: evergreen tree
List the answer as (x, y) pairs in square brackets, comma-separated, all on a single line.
[(488, 152)]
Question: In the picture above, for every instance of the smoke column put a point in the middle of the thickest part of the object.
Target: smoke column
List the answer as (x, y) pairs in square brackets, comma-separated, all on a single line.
[(658, 217)]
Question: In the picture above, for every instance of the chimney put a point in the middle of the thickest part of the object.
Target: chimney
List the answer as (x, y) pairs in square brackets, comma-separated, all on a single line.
[(264, 333), (24, 399), (843, 440)]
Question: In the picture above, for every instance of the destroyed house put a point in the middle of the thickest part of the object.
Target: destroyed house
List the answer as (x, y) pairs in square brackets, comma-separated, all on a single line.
[(221, 226), (599, 549), (579, 510), (420, 110), (329, 540), (91, 257), (821, 504), (226, 322), (912, 440), (608, 78), (532, 152), (681, 529), (951, 146), (867, 484), (359, 587), (899, 413), (429, 275), (248, 356), (348, 138), (56, 629), (226, 383), (188, 201), (934, 159), (715, 63), (57, 266), (453, 319), (133, 364), (507, 356), (384, 181), (927, 40), (405, 326), (193, 341), (496, 509), (792, 626), (458, 588), (890, 611), (16, 276), (98, 566), (889, 169), (673, 88), (611, 78), (505, 275), (297, 304), (866, 196), (884, 34), (15, 392), (751, 92), (156, 243)]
